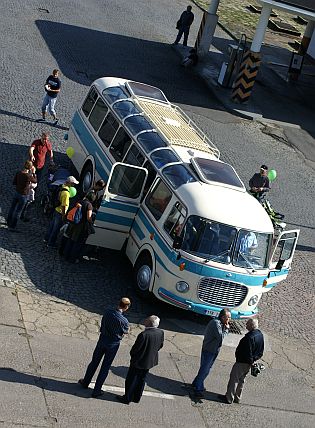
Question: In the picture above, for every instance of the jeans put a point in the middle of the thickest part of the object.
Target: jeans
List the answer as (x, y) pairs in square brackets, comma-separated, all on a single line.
[(49, 103), (73, 250), (105, 348), (54, 228), (206, 362), (18, 203), (135, 383), (181, 31), (39, 173)]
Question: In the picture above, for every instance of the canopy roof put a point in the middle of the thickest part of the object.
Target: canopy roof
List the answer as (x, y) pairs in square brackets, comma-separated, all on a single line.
[(305, 8)]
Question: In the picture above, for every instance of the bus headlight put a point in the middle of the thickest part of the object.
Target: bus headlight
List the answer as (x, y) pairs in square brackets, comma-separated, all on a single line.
[(182, 286), (253, 300)]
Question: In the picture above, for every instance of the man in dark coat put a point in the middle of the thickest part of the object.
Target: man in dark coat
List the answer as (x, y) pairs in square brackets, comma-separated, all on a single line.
[(249, 350), (183, 25), (259, 183), (144, 356)]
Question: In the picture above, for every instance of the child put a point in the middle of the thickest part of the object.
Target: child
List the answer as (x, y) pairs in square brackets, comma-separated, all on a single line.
[(30, 196)]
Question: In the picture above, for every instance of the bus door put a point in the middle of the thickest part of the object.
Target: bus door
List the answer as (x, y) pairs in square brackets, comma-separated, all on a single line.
[(119, 206), (283, 252)]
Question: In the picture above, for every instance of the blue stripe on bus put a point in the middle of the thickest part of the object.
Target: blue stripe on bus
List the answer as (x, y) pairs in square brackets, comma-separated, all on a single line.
[(120, 206), (159, 260), (115, 219), (89, 143), (136, 228), (198, 268)]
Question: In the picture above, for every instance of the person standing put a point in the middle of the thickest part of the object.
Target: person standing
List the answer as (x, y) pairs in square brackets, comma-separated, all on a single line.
[(259, 183), (183, 25), (22, 181), (249, 350), (52, 88), (215, 332), (144, 356), (60, 212), (113, 328), (78, 233), (38, 151)]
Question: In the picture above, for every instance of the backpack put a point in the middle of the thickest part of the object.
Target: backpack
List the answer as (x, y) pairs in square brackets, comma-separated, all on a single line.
[(74, 216), (57, 194)]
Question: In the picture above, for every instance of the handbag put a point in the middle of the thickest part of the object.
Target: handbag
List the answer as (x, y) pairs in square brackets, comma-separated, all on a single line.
[(178, 25), (256, 368), (90, 228)]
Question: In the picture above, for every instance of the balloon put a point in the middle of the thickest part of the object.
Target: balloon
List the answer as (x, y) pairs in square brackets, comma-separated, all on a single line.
[(70, 152), (72, 191), (272, 174)]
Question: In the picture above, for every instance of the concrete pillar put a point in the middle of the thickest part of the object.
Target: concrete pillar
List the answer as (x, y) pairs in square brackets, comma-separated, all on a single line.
[(207, 28), (309, 30), (248, 71)]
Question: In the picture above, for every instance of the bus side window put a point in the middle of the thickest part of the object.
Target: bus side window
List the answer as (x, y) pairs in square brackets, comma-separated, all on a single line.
[(108, 129), (120, 145), (158, 199), (134, 156), (89, 102), (98, 113), (175, 220)]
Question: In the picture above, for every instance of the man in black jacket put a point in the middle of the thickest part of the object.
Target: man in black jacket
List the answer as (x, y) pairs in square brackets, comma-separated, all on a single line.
[(144, 356), (249, 350), (183, 25)]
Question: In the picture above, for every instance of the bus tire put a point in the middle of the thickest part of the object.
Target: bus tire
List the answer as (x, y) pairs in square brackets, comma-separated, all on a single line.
[(86, 178), (142, 272)]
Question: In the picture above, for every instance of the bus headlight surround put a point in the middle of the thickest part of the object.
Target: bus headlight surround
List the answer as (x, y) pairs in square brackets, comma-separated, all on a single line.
[(253, 300), (182, 287)]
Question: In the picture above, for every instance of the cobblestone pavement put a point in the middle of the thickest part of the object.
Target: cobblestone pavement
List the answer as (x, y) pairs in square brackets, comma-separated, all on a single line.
[(85, 42)]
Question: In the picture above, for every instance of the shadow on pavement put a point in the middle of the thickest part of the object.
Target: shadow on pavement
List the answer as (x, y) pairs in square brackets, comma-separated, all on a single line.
[(30, 119), (85, 55), (92, 285)]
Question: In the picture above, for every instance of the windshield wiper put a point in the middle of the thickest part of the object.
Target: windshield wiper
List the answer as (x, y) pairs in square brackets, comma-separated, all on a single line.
[(223, 253), (247, 260)]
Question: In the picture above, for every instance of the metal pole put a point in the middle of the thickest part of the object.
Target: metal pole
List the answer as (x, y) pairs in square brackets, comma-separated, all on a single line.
[(261, 28), (213, 7)]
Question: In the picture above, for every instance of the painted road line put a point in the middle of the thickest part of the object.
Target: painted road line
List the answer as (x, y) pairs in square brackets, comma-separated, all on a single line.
[(108, 388)]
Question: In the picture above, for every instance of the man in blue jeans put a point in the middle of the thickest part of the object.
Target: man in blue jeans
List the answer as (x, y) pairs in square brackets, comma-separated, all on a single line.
[(215, 332), (22, 182), (113, 328)]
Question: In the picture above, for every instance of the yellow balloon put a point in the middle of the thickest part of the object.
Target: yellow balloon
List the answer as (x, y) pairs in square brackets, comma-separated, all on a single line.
[(70, 152)]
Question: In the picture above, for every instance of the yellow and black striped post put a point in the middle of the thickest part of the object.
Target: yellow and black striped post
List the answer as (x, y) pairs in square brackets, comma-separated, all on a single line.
[(201, 28), (246, 77)]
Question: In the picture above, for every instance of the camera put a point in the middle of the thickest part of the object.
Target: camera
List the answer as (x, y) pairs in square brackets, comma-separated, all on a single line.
[(256, 369)]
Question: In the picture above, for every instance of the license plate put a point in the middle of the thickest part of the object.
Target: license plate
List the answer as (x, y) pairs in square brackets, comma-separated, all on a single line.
[(211, 313)]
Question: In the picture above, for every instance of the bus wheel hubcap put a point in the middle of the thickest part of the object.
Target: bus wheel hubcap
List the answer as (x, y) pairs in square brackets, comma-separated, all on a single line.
[(144, 278)]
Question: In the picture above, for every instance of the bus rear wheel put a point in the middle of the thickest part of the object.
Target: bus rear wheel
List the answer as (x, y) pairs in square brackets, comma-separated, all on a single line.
[(143, 275), (86, 178)]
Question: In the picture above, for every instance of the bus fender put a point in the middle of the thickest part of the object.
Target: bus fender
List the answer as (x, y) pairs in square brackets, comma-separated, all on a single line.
[(147, 250)]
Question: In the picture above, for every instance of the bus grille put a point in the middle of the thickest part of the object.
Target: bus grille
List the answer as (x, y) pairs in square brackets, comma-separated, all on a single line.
[(223, 293)]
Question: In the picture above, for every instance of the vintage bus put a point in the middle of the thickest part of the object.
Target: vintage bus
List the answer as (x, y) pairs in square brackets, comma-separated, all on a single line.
[(195, 237)]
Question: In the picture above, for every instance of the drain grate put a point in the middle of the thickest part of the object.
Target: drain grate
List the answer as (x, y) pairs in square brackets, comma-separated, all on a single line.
[(237, 327)]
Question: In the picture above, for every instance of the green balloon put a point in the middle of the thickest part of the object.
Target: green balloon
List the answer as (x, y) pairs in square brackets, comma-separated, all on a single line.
[(272, 174), (70, 152), (72, 191)]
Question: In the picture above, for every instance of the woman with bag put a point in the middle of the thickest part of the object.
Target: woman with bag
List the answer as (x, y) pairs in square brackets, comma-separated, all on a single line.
[(78, 233)]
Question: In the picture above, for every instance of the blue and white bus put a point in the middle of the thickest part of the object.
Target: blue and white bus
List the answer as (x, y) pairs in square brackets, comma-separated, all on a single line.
[(195, 237)]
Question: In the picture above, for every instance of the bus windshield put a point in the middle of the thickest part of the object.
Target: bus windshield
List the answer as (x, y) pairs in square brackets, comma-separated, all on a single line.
[(225, 244)]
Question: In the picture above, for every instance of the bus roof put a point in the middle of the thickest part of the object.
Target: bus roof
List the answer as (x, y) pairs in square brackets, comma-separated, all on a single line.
[(168, 119), (225, 205)]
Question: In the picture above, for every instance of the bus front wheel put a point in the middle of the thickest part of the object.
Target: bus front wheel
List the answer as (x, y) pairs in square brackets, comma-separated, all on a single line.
[(143, 275), (86, 178)]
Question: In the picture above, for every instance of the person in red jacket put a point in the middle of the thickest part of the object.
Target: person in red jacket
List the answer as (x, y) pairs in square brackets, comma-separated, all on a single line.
[(38, 151)]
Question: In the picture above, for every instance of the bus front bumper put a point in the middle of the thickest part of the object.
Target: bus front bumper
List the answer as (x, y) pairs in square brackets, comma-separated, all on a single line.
[(199, 307)]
